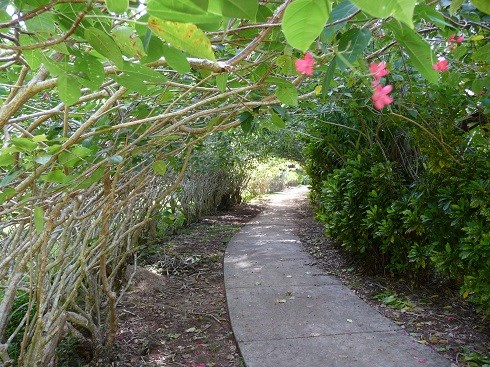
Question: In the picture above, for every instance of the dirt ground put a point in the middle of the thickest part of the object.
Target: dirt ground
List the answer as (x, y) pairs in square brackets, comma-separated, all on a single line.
[(174, 313)]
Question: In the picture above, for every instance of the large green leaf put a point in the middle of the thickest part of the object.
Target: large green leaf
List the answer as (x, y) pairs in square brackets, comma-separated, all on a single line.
[(104, 45), (341, 11), (68, 89), (287, 93), (351, 45), (482, 53), (454, 7), (482, 5), (133, 83), (327, 81), (176, 59), (239, 8), (128, 41), (56, 176), (401, 10), (143, 73), (117, 6), (430, 14), (303, 22), (419, 51), (6, 160), (159, 167), (41, 24), (24, 144), (185, 11), (184, 36), (90, 71)]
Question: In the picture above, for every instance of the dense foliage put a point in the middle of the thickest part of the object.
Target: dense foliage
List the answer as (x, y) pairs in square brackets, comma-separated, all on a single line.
[(409, 195)]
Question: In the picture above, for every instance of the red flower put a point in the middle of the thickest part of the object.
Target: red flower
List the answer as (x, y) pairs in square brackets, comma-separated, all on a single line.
[(441, 65), (380, 96), (455, 39), (378, 70), (305, 65)]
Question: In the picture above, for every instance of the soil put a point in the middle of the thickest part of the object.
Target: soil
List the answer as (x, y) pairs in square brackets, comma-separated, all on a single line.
[(174, 313)]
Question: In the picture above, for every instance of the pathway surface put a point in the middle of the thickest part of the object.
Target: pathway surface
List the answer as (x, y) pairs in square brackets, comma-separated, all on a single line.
[(286, 313)]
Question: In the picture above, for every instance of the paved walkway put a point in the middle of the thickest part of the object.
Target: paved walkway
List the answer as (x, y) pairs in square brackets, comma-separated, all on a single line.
[(287, 313)]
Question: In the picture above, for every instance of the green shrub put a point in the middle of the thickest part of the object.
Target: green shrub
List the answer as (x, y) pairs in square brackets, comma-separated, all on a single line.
[(440, 225)]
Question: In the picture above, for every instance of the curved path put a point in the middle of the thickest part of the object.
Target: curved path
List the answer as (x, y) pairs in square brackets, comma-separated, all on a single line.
[(287, 313)]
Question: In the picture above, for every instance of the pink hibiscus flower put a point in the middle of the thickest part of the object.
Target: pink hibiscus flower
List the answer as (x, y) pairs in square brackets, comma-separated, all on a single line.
[(455, 39), (378, 70), (305, 65), (380, 96), (441, 65)]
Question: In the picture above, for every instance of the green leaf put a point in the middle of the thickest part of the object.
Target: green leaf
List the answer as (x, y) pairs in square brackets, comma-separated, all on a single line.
[(341, 11), (246, 119), (454, 7), (286, 63), (303, 21), (482, 5), (143, 72), (327, 81), (277, 121), (401, 10), (115, 159), (159, 167), (93, 178), (71, 158), (432, 15), (39, 138), (287, 93), (184, 36), (133, 83), (7, 193), (90, 71), (128, 42), (221, 80), (6, 160), (352, 44), (176, 59), (104, 45), (117, 6), (41, 24), (56, 176), (240, 9), (68, 89), (8, 179), (24, 144), (43, 159), (419, 51), (482, 53), (185, 11), (38, 219), (153, 48)]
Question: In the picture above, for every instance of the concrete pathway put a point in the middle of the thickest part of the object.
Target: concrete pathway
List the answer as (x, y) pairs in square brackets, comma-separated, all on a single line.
[(287, 313)]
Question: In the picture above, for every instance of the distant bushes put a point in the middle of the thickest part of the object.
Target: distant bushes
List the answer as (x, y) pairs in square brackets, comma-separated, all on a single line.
[(272, 175)]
